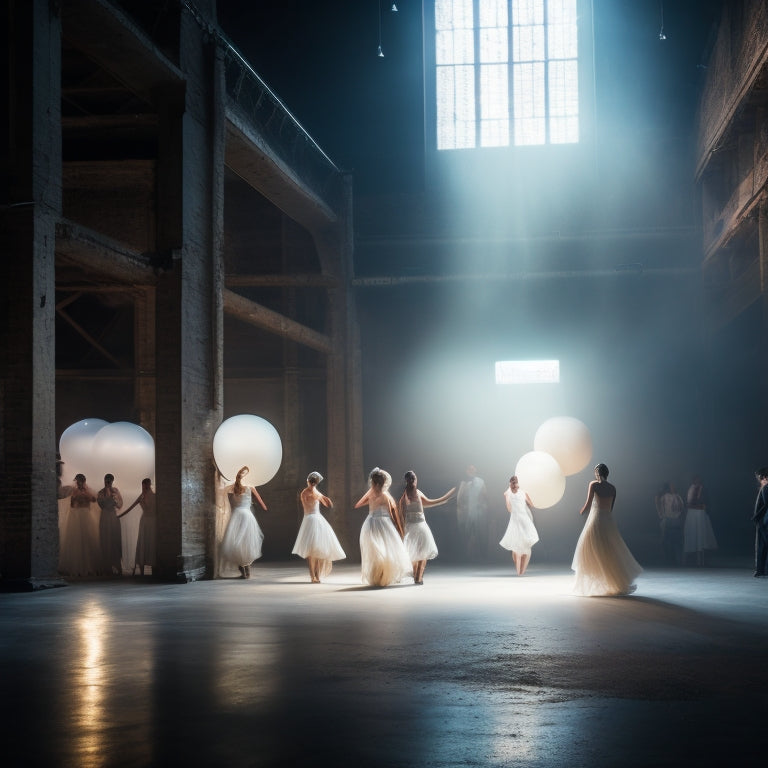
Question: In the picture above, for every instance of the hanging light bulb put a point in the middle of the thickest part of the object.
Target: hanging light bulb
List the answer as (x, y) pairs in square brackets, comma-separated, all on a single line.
[(380, 53), (662, 36), (393, 8)]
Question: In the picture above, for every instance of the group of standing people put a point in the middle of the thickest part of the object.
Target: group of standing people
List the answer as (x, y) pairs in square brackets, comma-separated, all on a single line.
[(91, 544), (686, 529)]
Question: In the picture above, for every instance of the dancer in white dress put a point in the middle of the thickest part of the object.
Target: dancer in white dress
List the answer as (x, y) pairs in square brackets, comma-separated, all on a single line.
[(384, 558), (110, 500), (698, 535), (316, 540), (80, 537), (521, 533), (602, 561), (242, 540), (419, 541), (146, 544)]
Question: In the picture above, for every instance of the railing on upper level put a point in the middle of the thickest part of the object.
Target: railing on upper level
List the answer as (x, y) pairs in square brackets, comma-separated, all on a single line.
[(281, 131)]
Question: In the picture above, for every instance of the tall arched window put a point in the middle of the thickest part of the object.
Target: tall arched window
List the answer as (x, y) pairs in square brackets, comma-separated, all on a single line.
[(506, 73)]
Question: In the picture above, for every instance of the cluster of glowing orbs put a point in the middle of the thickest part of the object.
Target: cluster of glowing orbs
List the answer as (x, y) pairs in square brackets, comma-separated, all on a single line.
[(566, 439), (95, 447), (248, 441), (541, 477)]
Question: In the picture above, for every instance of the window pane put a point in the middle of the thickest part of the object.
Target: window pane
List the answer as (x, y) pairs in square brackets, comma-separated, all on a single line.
[(529, 131), (529, 103), (527, 11), (494, 92), (563, 30), (564, 101), (563, 88), (455, 107), (493, 13), (455, 47), (543, 83), (564, 130), (494, 45), (494, 133), (453, 14), (528, 43)]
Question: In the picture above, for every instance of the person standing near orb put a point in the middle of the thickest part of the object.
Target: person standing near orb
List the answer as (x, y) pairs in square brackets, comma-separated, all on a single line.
[(521, 533), (79, 542), (243, 537), (146, 544), (110, 538)]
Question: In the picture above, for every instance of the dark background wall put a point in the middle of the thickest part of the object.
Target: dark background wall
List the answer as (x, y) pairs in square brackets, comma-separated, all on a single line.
[(638, 364)]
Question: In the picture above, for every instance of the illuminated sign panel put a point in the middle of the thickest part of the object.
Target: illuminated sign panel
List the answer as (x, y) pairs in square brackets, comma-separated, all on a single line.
[(528, 372)]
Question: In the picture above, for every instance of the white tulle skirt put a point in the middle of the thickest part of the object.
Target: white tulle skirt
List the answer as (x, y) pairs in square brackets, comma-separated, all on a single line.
[(317, 539), (419, 541), (603, 564), (384, 558), (520, 535), (242, 540), (80, 553), (698, 534)]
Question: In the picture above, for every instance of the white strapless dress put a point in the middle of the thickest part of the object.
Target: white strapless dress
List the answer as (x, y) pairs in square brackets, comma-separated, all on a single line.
[(602, 561), (242, 540), (317, 539), (384, 558)]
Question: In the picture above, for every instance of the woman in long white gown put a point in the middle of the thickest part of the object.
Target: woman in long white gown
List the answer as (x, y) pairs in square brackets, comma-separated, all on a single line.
[(602, 561), (146, 543), (243, 537), (419, 541), (80, 537), (384, 558), (521, 533), (316, 541)]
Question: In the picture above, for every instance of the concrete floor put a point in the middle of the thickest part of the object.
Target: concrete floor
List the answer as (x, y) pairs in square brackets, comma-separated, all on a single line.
[(475, 668)]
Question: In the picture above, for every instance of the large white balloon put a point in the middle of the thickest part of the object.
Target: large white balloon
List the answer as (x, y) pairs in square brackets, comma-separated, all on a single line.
[(248, 441), (541, 478), (126, 451), (76, 450), (568, 440)]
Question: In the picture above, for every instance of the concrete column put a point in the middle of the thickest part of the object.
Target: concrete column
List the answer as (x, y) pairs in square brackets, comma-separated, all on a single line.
[(31, 153), (188, 308), (343, 394), (292, 411)]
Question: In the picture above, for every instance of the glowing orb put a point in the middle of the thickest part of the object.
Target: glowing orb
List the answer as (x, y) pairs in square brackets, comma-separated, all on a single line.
[(247, 441), (76, 449), (126, 451), (541, 478), (566, 439)]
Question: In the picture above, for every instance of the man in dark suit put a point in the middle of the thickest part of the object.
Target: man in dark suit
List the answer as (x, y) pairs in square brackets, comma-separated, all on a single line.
[(760, 519)]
